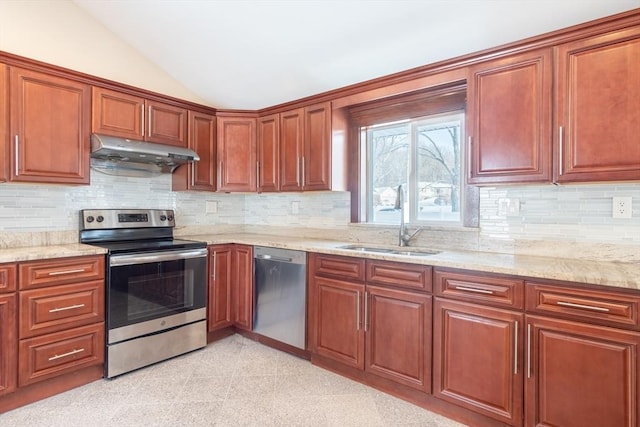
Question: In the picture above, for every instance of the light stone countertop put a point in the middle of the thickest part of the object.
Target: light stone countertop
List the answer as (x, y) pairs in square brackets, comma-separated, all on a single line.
[(616, 274)]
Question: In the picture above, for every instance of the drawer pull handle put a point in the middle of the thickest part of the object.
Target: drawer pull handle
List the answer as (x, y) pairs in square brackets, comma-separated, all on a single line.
[(60, 273), (476, 290), (69, 307), (71, 353), (582, 306)]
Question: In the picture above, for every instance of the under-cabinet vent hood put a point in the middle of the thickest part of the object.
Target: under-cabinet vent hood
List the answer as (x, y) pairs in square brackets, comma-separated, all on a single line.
[(120, 156)]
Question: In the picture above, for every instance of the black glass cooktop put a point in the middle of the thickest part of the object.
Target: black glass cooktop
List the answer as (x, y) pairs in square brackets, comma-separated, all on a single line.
[(149, 245)]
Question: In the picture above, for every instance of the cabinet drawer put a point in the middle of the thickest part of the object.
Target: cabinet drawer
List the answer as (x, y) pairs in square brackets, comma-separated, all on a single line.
[(411, 276), (495, 290), (7, 277), (60, 307), (602, 307), (338, 266), (59, 353), (60, 271)]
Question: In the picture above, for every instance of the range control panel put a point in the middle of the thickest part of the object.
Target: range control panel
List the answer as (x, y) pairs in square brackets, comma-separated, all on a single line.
[(98, 219)]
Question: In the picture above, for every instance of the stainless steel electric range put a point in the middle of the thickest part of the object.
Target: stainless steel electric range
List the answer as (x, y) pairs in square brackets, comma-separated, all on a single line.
[(156, 286)]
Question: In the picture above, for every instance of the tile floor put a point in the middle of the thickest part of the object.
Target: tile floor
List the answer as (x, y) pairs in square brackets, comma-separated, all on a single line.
[(232, 382)]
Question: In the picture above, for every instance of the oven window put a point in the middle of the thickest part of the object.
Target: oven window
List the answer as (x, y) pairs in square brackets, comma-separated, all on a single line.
[(142, 292)]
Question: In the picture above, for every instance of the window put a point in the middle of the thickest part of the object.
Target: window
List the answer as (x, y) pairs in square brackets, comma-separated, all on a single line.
[(415, 141), (423, 156)]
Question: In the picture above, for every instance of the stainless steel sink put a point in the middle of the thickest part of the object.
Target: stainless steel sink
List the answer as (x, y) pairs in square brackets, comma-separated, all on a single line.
[(393, 251)]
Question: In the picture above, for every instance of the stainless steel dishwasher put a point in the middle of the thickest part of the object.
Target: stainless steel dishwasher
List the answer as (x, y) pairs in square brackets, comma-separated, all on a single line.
[(280, 297)]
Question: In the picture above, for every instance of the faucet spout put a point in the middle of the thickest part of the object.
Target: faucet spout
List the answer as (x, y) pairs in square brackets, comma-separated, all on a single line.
[(403, 234)]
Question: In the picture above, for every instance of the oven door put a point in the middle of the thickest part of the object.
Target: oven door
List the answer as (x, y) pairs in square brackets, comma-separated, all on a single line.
[(153, 291)]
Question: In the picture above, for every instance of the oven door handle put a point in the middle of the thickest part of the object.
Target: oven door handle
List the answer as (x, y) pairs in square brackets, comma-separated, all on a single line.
[(149, 257)]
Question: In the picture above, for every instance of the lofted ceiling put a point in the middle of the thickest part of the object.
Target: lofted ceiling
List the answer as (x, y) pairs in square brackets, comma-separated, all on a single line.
[(252, 54)]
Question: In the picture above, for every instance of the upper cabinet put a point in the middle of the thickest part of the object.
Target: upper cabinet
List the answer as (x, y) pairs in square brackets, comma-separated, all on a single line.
[(4, 121), (268, 152), (133, 117), (509, 119), (598, 108), (49, 128), (200, 175), (305, 148), (237, 164)]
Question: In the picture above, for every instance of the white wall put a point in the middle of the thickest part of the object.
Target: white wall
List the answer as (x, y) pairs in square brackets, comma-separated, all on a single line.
[(59, 32)]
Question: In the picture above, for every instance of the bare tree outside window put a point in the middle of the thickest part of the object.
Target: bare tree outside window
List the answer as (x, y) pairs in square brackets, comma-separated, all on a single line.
[(422, 154)]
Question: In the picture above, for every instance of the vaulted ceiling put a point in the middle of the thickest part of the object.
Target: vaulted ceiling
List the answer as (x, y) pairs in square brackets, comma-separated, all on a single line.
[(251, 54)]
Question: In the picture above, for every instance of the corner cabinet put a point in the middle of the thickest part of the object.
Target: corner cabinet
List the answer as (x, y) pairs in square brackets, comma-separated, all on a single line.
[(129, 116), (509, 119), (268, 153), (200, 175), (242, 286), (237, 166), (219, 306), (598, 108), (49, 128), (305, 148)]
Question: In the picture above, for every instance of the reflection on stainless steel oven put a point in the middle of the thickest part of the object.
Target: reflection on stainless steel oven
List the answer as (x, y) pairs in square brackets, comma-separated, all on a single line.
[(156, 287)]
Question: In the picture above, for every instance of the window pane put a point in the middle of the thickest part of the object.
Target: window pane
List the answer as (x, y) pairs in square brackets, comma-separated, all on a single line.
[(388, 163), (438, 168)]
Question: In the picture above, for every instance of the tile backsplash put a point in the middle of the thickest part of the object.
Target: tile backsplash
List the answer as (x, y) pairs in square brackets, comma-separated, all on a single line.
[(572, 218)]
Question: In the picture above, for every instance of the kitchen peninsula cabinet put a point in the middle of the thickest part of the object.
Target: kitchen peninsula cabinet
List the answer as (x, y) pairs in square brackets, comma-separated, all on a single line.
[(219, 308), (509, 119), (133, 117), (200, 175), (361, 321), (598, 107), (8, 337), (305, 148), (49, 128), (237, 164)]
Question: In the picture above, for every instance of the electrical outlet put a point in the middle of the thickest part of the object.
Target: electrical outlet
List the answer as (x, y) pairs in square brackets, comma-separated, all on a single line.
[(211, 206), (622, 207), (295, 208)]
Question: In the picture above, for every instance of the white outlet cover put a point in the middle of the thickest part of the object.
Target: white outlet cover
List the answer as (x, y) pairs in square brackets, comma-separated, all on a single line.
[(211, 206), (622, 207)]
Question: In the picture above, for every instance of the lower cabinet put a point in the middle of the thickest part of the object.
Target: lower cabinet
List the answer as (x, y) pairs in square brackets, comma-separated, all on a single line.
[(8, 343), (230, 300), (581, 375), (478, 359), (383, 331)]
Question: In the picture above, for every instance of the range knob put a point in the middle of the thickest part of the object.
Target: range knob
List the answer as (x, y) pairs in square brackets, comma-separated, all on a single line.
[(90, 218), (163, 217), (100, 218), (170, 217)]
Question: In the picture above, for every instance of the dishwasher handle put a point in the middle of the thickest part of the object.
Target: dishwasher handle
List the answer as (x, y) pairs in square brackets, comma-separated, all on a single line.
[(274, 258)]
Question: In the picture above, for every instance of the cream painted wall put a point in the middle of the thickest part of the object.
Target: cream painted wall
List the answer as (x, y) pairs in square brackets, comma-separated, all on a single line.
[(59, 32)]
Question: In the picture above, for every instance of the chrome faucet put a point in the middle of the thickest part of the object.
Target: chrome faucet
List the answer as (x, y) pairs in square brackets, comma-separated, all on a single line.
[(403, 233)]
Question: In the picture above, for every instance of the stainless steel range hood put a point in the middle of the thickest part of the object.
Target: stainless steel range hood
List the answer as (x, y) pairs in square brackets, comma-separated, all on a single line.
[(120, 156)]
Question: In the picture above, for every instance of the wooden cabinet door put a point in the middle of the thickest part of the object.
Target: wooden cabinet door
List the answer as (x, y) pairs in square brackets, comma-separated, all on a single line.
[(581, 375), (200, 175), (219, 308), (242, 286), (291, 150), (4, 122), (398, 336), (50, 128), (509, 119), (268, 150), (477, 359), (316, 163), (236, 154), (337, 321), (117, 114), (598, 108), (8, 344), (166, 124)]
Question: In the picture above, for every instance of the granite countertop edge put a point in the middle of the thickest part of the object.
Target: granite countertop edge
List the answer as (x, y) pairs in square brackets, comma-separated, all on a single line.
[(613, 274)]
